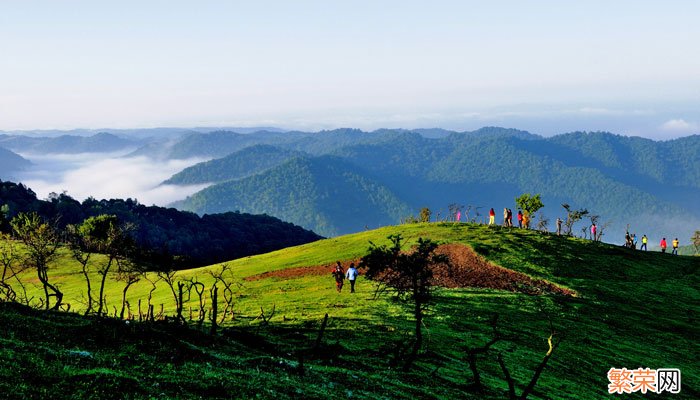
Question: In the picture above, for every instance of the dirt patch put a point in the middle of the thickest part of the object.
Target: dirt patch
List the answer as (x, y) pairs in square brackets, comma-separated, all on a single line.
[(291, 273), (466, 270)]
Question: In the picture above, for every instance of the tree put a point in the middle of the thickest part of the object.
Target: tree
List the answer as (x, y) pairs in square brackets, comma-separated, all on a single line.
[(9, 259), (408, 274), (41, 241), (572, 216), (425, 214), (102, 234), (528, 203), (695, 240)]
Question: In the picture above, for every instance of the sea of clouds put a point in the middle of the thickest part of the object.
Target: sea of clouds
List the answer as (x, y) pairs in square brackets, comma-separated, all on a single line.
[(107, 176)]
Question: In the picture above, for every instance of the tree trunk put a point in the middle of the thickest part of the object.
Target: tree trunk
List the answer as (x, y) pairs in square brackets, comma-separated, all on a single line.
[(102, 285)]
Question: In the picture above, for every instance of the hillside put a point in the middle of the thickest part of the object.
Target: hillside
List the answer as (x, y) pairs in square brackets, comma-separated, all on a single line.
[(11, 162), (323, 194), (652, 186), (618, 294), (241, 164)]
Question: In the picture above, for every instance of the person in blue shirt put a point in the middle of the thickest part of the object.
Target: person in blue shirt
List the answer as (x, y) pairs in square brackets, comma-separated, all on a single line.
[(352, 275)]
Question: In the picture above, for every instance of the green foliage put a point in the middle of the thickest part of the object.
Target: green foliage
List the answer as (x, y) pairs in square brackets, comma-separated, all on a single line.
[(528, 203)]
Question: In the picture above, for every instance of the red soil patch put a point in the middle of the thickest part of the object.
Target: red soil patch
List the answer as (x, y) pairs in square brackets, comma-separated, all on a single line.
[(466, 269), (291, 273)]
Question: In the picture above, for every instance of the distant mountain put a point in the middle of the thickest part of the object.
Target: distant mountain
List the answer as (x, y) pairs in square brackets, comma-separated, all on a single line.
[(325, 194), (243, 163), (11, 162), (652, 186), (67, 144)]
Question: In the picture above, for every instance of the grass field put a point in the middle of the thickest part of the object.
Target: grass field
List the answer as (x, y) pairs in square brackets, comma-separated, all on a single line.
[(632, 309)]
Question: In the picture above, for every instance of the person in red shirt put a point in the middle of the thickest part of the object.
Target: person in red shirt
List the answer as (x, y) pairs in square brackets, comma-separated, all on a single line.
[(663, 245), (339, 276), (520, 219), (492, 217)]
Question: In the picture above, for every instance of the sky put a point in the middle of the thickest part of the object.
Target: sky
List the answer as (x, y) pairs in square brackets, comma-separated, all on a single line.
[(629, 67)]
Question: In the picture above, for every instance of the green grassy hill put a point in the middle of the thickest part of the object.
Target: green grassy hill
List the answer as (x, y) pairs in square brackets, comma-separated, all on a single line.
[(631, 309)]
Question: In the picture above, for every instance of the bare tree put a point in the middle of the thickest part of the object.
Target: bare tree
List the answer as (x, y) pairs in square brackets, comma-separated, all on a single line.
[(572, 216), (225, 277)]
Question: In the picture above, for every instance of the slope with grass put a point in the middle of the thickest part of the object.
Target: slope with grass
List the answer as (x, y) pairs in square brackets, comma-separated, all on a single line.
[(630, 309)]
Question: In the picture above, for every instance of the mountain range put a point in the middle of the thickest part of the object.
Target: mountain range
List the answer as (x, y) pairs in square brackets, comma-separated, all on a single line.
[(652, 186)]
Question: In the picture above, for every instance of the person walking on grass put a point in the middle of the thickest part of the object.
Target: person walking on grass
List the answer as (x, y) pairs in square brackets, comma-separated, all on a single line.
[(492, 216), (594, 231), (644, 243), (510, 218), (674, 244), (663, 245), (339, 275), (520, 219), (558, 226), (352, 276), (505, 217)]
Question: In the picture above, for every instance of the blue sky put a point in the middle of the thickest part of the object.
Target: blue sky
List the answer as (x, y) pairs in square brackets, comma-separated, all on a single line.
[(631, 67)]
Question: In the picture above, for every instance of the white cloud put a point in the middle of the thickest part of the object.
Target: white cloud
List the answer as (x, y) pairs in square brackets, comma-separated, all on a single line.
[(679, 125), (103, 177)]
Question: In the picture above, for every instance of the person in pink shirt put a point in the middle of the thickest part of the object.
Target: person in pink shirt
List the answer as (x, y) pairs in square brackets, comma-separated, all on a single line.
[(663, 245)]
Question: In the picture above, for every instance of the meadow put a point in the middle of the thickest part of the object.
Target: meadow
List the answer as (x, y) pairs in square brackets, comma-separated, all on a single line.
[(630, 309)]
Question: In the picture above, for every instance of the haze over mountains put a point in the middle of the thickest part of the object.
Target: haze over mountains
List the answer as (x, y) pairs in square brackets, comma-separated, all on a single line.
[(344, 180)]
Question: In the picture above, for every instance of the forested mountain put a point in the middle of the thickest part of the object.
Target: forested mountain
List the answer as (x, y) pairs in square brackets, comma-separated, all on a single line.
[(653, 186), (11, 162), (167, 237), (240, 164), (325, 194), (66, 144)]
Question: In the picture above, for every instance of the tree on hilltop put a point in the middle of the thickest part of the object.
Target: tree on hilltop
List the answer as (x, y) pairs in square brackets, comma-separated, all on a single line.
[(528, 203), (572, 216)]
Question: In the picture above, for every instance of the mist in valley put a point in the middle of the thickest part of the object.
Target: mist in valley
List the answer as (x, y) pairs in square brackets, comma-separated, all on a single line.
[(106, 176)]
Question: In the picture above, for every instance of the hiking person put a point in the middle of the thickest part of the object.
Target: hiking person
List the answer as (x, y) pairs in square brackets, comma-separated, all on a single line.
[(492, 217), (559, 226), (674, 244), (628, 240), (663, 245), (510, 217), (505, 217), (352, 275), (526, 221), (339, 275), (634, 241), (594, 231), (644, 242), (520, 219)]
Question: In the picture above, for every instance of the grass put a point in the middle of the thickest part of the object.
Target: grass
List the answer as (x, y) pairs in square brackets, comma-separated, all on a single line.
[(633, 309)]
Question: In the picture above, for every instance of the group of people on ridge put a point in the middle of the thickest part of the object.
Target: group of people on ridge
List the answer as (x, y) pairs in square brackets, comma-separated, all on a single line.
[(340, 275), (523, 219), (663, 245)]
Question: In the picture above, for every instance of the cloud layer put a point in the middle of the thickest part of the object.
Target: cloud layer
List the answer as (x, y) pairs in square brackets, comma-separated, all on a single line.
[(106, 177)]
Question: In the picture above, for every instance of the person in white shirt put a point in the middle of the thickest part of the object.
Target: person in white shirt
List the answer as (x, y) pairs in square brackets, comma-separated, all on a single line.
[(352, 274)]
